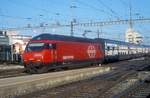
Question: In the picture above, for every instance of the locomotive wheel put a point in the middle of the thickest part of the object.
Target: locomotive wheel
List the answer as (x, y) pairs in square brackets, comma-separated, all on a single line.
[(37, 70)]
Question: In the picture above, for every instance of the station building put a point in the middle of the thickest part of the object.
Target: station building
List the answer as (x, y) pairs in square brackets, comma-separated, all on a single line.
[(13, 38), (12, 45)]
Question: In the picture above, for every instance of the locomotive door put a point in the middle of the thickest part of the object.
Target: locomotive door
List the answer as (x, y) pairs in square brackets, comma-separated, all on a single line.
[(54, 53)]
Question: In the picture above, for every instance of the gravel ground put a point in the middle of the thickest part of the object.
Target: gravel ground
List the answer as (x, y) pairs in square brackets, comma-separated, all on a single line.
[(95, 87)]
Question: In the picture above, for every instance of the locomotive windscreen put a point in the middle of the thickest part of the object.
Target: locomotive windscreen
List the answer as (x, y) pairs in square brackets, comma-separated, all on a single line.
[(35, 47), (38, 46)]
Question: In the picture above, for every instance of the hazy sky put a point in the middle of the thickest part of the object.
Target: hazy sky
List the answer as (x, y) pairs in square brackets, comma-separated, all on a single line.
[(18, 13)]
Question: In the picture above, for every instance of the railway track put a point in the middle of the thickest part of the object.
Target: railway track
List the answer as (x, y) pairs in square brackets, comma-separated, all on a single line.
[(142, 91), (89, 88), (113, 80), (21, 71), (7, 73), (95, 87), (84, 89), (12, 73)]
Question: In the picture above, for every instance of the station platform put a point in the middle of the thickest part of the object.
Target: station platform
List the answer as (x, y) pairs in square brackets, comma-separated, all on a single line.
[(15, 86), (10, 67)]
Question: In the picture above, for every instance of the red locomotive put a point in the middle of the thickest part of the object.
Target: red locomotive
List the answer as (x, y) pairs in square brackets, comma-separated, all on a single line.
[(48, 51)]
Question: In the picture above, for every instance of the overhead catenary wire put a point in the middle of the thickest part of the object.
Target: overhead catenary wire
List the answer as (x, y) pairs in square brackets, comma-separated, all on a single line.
[(83, 3), (33, 7), (110, 9), (130, 8), (14, 17), (38, 9), (93, 7), (124, 3)]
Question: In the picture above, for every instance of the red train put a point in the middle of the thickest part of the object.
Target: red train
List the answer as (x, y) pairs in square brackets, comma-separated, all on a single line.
[(52, 51), (48, 51)]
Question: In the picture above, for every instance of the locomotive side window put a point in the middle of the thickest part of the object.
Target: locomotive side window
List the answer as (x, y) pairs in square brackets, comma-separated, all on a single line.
[(50, 46), (47, 46)]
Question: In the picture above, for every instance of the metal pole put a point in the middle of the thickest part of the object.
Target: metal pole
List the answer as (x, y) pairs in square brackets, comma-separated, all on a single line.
[(12, 53), (130, 20), (72, 33), (98, 34)]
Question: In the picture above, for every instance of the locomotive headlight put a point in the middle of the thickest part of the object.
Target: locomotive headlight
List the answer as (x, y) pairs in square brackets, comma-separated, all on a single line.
[(24, 60)]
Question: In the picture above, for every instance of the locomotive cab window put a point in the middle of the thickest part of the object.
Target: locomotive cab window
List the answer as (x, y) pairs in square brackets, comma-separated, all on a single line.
[(38, 46)]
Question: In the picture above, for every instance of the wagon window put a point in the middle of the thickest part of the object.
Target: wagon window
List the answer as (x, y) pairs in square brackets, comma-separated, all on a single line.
[(108, 48), (113, 48)]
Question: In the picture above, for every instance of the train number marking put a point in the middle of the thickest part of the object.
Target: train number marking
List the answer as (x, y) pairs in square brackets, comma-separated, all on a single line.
[(68, 57), (91, 51)]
